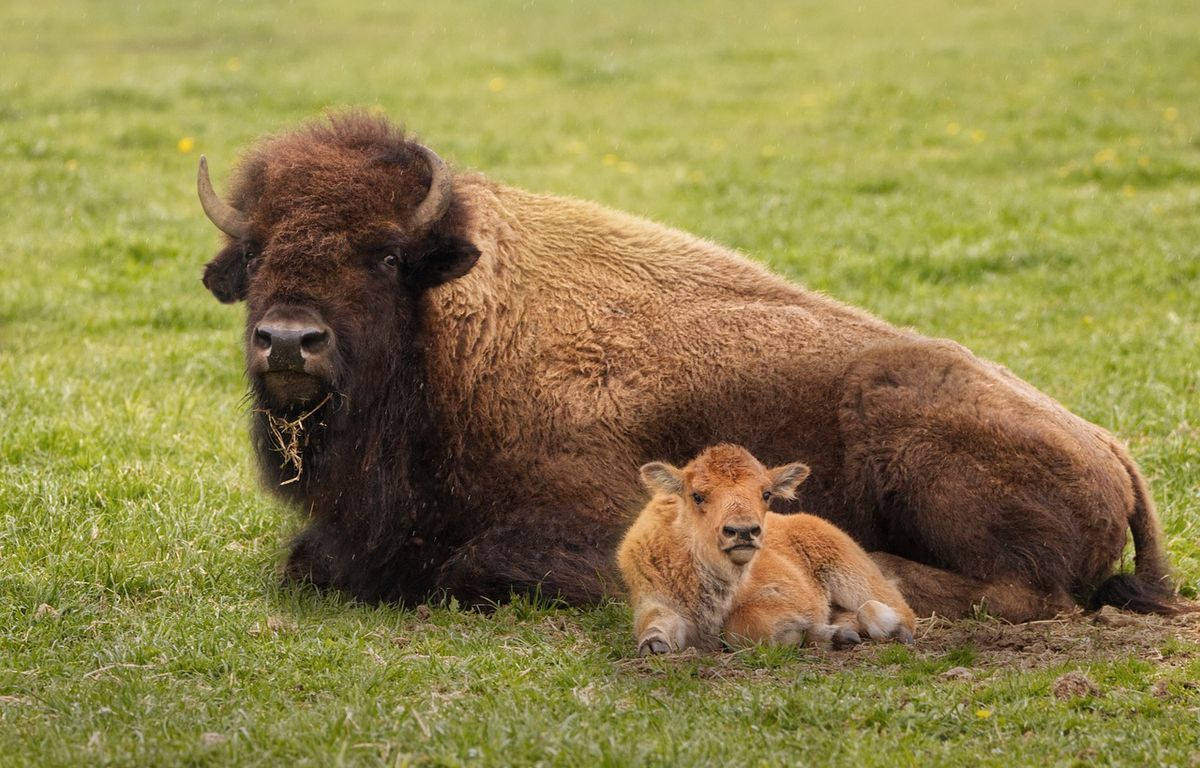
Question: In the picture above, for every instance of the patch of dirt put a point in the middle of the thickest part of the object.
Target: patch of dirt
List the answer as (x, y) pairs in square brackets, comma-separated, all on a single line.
[(1080, 636), (1105, 634)]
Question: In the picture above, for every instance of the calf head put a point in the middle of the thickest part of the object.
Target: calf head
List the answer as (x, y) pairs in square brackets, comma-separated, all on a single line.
[(334, 232), (724, 496)]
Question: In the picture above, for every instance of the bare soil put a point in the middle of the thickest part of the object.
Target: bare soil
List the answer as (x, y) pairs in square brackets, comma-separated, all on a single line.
[(1076, 637), (1101, 635)]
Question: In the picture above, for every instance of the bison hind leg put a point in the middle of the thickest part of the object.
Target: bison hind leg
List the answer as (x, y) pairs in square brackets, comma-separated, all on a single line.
[(803, 632), (1131, 593), (934, 591), (961, 466)]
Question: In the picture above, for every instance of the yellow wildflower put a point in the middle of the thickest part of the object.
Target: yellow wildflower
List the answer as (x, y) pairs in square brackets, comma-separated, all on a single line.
[(610, 159), (186, 144), (1170, 114), (983, 714), (978, 136), (953, 129), (496, 84), (1106, 156), (233, 64)]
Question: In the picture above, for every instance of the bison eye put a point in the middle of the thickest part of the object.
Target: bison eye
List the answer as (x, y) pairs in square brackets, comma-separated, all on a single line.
[(698, 498), (391, 260), (766, 495)]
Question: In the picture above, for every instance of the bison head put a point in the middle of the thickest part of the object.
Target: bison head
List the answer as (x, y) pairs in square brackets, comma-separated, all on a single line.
[(333, 233)]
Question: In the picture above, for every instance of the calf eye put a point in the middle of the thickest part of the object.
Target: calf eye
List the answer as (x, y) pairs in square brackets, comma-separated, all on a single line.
[(391, 260), (766, 495), (698, 498)]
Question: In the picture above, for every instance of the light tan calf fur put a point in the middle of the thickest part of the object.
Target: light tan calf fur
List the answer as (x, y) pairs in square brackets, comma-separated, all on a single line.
[(706, 559)]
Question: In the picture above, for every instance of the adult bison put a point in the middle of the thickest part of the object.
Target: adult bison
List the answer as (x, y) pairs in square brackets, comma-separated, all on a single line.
[(456, 381)]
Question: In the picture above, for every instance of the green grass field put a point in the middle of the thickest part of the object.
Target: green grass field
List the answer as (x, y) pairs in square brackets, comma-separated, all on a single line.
[(1024, 178)]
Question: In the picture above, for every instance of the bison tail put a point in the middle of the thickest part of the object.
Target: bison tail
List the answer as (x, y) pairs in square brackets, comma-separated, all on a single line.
[(1148, 589)]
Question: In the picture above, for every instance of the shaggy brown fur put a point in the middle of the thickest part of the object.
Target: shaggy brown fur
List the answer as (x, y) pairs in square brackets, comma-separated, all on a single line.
[(498, 375), (706, 557)]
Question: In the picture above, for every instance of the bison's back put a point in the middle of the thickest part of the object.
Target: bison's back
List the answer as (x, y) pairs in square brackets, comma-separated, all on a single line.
[(585, 337)]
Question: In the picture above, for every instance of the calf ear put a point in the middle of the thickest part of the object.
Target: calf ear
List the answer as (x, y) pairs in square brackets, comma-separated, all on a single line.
[(226, 275), (659, 477), (448, 257), (786, 479)]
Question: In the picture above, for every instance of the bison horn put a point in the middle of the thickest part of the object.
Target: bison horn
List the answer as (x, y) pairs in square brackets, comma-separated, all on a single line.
[(434, 206), (227, 218)]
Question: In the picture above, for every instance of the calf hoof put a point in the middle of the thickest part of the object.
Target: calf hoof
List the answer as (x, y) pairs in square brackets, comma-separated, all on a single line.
[(903, 635), (653, 646), (845, 637)]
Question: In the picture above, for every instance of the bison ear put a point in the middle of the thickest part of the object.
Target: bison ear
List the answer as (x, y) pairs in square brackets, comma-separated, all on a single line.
[(226, 275), (659, 477), (446, 258), (786, 479)]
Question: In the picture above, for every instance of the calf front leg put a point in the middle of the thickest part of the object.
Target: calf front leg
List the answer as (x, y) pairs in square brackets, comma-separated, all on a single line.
[(659, 628)]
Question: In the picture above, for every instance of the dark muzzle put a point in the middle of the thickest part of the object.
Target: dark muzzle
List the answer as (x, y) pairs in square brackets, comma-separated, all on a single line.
[(287, 346), (291, 352)]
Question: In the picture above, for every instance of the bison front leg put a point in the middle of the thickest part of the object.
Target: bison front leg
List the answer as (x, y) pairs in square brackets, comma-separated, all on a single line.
[(1014, 502), (309, 561), (536, 557), (328, 556)]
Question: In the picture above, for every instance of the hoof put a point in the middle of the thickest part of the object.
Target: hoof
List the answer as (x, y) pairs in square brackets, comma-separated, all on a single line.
[(653, 646), (845, 637), (903, 635)]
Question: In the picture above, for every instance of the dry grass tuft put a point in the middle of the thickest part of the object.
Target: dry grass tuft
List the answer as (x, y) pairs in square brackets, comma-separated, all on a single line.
[(291, 437)]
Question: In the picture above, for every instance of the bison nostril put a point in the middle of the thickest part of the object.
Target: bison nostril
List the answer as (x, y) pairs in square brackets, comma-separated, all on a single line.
[(291, 339), (314, 341), (746, 532)]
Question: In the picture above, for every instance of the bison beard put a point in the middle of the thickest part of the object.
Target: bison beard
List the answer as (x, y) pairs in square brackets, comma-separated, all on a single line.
[(481, 371)]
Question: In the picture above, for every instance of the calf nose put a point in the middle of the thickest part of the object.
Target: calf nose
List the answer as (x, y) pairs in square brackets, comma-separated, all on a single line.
[(742, 532), (287, 345)]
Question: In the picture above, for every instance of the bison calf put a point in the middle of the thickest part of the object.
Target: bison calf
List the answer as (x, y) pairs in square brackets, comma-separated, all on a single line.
[(707, 558)]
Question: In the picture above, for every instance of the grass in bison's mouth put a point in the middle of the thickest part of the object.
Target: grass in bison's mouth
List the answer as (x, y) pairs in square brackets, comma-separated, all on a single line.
[(290, 437)]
